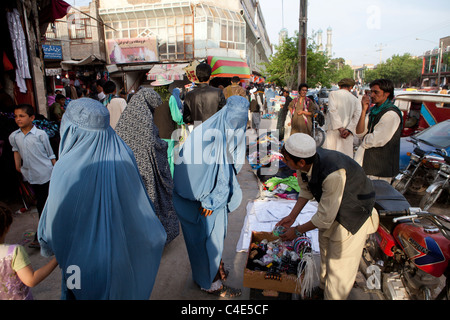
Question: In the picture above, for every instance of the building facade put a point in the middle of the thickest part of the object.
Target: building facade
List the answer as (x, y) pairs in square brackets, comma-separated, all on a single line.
[(142, 33), (78, 38), (436, 65)]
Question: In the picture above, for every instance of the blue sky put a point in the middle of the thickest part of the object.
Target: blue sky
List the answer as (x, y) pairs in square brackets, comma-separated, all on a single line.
[(361, 26)]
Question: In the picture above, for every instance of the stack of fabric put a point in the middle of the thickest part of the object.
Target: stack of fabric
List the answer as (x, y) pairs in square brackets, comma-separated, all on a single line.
[(276, 179)]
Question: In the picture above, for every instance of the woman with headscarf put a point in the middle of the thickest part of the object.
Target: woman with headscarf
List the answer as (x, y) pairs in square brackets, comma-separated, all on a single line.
[(207, 190), (98, 220), (137, 129)]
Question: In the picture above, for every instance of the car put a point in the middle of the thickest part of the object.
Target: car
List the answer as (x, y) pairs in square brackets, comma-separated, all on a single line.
[(428, 140), (323, 98)]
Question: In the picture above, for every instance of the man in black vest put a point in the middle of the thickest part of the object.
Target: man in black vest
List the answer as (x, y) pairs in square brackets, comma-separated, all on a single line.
[(380, 130), (344, 216)]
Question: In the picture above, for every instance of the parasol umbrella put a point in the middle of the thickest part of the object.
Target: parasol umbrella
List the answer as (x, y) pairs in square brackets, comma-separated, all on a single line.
[(228, 67), (169, 71)]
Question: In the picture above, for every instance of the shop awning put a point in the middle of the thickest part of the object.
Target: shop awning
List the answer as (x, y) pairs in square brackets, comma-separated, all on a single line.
[(174, 71), (92, 59), (50, 10), (228, 67)]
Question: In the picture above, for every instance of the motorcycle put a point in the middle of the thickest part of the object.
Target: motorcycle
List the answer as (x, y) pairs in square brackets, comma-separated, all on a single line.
[(408, 257), (419, 173), (318, 133), (441, 183)]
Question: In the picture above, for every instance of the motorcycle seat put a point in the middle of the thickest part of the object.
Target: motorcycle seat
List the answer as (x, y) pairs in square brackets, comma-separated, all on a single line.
[(388, 199)]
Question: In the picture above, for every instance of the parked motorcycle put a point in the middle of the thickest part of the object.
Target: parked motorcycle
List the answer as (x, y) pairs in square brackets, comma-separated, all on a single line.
[(408, 257), (440, 184), (419, 173), (318, 133)]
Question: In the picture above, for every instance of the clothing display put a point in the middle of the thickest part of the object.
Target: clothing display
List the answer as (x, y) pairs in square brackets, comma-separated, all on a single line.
[(19, 44), (98, 215)]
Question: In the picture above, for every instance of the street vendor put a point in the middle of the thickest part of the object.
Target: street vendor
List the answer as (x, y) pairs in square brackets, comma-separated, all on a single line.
[(345, 214)]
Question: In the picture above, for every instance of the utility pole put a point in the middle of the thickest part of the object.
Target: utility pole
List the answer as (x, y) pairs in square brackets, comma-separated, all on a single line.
[(302, 41), (381, 52)]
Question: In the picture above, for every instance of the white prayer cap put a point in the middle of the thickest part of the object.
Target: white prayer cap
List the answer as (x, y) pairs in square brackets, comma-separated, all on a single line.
[(301, 145)]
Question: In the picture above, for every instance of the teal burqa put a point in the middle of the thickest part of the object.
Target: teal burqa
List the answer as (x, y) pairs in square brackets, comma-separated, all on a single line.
[(98, 220), (205, 173)]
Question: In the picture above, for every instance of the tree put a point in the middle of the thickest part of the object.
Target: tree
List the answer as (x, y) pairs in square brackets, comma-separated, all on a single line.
[(282, 67), (340, 70), (402, 70)]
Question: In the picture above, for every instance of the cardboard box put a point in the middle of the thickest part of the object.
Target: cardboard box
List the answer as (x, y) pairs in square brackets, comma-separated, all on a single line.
[(256, 279)]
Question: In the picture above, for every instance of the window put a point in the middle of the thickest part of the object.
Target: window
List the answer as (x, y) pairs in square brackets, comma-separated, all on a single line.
[(79, 27), (173, 29), (224, 27)]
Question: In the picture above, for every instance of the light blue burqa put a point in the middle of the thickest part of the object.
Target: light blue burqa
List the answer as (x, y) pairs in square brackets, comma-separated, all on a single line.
[(98, 220), (205, 177)]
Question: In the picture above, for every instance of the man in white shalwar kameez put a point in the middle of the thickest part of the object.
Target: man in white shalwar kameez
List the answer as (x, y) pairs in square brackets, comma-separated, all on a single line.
[(344, 111)]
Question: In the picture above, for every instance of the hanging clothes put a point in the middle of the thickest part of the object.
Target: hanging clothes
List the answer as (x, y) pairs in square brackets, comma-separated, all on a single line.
[(20, 49), (98, 216), (205, 177)]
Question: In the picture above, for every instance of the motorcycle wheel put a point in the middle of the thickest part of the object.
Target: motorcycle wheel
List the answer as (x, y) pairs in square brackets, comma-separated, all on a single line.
[(403, 185), (429, 199), (319, 136)]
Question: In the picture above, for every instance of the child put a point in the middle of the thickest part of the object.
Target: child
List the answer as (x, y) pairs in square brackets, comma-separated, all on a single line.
[(56, 110), (16, 273), (33, 155)]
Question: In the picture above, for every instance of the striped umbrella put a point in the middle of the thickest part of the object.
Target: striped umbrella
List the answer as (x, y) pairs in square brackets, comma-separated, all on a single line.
[(228, 67)]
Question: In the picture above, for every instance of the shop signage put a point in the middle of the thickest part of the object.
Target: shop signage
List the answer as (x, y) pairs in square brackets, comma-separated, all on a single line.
[(52, 52), (132, 50)]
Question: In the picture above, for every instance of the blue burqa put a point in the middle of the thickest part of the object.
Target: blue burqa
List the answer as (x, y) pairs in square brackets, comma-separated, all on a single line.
[(205, 177), (98, 220)]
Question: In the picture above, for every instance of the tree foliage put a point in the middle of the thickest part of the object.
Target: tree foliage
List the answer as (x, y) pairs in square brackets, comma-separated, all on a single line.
[(401, 69), (282, 67)]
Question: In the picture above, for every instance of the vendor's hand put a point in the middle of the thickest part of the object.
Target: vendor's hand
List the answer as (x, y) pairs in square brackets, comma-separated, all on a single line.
[(288, 235), (286, 222), (205, 212)]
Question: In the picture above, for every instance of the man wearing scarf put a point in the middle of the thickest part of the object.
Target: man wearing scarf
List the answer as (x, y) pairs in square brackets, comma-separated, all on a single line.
[(380, 130)]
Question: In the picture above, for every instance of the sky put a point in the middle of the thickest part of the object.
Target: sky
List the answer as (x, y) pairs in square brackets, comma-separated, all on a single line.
[(361, 27)]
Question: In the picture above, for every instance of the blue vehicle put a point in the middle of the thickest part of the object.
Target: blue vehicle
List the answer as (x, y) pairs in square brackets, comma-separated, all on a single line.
[(428, 140), (421, 156)]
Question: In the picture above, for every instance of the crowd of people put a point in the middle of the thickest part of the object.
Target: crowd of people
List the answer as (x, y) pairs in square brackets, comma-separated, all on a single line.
[(126, 177)]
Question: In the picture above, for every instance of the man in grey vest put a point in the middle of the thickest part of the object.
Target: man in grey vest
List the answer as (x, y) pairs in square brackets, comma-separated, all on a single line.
[(380, 130), (345, 214)]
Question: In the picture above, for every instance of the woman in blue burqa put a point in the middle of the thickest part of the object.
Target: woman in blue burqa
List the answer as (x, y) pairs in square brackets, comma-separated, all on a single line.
[(206, 190), (98, 220)]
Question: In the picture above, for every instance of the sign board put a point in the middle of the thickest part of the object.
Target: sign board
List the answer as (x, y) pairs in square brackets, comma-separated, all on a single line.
[(132, 50), (52, 52)]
